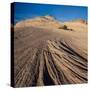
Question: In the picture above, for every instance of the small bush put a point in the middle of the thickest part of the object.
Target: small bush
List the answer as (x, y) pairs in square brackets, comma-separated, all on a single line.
[(65, 27)]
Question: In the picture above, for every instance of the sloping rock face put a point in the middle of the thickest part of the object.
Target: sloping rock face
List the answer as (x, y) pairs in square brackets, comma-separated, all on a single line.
[(44, 21), (48, 52), (49, 57), (80, 21), (77, 25)]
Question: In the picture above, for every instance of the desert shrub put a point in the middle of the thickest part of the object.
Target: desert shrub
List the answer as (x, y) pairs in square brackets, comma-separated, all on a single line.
[(63, 27)]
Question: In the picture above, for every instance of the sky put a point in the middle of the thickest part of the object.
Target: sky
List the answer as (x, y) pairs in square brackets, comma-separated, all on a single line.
[(62, 13)]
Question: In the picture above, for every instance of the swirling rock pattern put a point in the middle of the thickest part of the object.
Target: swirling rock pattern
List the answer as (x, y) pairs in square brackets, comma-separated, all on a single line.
[(49, 57)]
